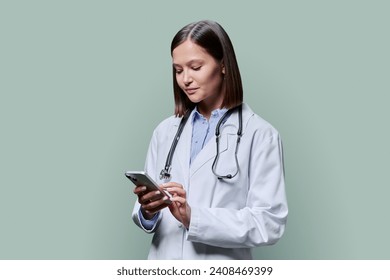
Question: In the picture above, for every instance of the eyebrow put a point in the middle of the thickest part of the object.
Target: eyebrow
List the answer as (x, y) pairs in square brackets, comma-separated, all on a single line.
[(189, 62)]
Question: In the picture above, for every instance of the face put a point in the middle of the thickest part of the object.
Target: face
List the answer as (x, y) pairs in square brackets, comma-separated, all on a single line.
[(199, 75)]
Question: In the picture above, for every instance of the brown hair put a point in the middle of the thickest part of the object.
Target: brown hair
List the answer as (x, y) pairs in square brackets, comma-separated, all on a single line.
[(214, 39)]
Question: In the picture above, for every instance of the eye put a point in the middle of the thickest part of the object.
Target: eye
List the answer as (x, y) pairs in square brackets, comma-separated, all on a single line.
[(178, 71), (196, 68)]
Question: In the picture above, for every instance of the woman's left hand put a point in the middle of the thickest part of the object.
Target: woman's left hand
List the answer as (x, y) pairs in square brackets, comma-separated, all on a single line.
[(179, 206)]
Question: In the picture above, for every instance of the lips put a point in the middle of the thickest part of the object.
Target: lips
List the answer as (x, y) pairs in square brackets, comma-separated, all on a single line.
[(191, 90)]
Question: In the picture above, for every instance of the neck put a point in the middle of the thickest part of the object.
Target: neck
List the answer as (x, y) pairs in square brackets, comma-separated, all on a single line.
[(206, 111), (205, 108)]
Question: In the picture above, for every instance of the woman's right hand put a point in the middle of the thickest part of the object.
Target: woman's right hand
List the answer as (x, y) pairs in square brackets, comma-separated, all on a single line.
[(151, 201)]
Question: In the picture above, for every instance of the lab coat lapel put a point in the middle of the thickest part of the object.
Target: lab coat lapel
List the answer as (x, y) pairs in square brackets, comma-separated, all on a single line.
[(183, 150)]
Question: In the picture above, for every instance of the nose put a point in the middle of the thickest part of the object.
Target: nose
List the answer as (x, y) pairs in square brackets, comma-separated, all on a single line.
[(187, 79)]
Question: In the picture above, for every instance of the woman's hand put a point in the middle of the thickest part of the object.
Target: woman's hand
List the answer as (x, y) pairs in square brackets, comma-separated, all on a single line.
[(179, 207), (151, 201)]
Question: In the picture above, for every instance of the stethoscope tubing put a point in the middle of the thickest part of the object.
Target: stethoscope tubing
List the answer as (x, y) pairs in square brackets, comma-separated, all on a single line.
[(165, 173), (217, 136)]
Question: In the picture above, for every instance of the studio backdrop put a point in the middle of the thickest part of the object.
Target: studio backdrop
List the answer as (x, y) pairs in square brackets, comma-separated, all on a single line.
[(84, 83)]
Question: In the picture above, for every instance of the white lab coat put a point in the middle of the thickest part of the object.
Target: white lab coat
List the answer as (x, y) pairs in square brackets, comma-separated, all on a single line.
[(228, 217)]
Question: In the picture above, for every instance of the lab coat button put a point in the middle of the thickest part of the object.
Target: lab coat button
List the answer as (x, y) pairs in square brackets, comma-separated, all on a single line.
[(180, 225)]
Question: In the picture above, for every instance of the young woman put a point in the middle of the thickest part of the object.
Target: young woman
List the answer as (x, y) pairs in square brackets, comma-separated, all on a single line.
[(225, 173)]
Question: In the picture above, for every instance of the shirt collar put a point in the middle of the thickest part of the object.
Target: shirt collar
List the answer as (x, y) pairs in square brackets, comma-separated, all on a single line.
[(216, 114)]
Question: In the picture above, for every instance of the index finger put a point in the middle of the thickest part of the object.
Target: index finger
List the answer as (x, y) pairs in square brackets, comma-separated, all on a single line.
[(139, 189), (171, 185)]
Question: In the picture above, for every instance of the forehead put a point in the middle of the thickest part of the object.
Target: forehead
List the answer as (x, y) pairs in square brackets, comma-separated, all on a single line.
[(189, 51)]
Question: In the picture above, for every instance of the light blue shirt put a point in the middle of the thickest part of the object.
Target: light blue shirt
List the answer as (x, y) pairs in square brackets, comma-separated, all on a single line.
[(202, 131), (148, 224)]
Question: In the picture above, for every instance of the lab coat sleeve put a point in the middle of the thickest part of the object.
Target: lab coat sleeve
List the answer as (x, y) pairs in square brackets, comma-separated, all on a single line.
[(262, 220), (150, 168)]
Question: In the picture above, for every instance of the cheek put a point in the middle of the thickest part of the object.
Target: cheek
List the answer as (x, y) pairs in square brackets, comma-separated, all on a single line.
[(215, 79), (179, 81)]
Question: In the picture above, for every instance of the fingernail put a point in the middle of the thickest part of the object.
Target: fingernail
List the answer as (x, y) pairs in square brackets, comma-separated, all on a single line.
[(143, 189), (157, 192)]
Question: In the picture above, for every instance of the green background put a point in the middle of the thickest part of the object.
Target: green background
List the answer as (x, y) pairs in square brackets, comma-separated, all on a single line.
[(84, 83)]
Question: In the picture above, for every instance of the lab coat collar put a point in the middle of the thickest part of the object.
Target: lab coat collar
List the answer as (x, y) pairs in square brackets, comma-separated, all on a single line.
[(183, 149)]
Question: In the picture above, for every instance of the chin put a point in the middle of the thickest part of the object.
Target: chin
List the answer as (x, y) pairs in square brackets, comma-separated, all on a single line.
[(195, 100)]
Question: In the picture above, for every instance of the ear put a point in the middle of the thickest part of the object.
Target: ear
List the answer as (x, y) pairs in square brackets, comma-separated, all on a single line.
[(223, 68)]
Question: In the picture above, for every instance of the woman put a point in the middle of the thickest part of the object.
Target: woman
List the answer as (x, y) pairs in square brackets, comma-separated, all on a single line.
[(224, 205)]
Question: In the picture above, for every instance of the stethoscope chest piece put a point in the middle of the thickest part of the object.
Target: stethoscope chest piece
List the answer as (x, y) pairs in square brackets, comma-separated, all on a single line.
[(165, 176)]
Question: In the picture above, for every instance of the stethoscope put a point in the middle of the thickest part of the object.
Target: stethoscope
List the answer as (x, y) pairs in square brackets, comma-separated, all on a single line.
[(165, 173)]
